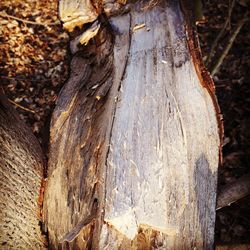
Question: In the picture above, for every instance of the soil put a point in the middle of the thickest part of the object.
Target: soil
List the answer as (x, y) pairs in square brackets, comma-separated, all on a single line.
[(34, 63)]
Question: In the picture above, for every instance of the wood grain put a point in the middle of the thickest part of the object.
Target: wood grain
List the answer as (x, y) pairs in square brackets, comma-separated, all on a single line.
[(135, 134)]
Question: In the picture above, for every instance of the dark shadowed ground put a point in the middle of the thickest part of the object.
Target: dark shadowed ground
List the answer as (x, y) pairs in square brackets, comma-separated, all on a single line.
[(233, 92), (34, 65)]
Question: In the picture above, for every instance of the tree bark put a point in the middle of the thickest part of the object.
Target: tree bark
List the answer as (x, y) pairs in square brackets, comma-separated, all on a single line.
[(135, 136), (21, 174)]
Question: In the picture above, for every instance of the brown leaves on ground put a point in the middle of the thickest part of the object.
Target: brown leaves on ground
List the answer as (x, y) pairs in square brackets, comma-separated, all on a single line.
[(33, 57)]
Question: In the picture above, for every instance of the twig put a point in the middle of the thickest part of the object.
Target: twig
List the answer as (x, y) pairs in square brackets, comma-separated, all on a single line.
[(21, 107), (234, 191), (27, 21), (219, 61), (222, 31)]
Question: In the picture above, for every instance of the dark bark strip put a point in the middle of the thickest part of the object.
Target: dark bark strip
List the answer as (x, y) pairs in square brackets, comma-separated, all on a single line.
[(204, 76), (79, 140)]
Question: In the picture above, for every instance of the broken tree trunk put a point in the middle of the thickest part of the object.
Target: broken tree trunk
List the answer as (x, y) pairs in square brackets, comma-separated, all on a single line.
[(134, 143), (21, 174)]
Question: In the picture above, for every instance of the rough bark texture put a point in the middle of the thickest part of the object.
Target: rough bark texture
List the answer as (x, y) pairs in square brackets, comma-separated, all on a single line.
[(21, 173), (134, 139)]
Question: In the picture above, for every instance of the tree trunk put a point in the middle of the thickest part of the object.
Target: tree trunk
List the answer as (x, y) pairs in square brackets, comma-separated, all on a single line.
[(21, 173), (134, 135)]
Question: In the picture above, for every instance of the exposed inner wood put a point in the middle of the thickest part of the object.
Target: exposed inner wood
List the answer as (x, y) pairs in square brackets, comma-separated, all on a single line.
[(134, 140), (76, 13), (89, 33), (204, 76), (21, 173)]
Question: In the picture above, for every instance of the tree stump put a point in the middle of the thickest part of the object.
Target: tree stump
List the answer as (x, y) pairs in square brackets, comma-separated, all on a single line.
[(135, 134)]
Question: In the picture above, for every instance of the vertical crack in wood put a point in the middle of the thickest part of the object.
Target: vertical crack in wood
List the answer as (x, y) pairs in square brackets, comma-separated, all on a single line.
[(186, 132), (117, 100), (126, 133), (78, 144)]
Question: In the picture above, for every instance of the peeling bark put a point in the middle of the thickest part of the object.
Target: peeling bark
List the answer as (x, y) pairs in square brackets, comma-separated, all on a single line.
[(134, 145), (21, 174)]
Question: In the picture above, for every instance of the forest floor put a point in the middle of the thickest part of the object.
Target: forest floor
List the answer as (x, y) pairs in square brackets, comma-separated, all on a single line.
[(233, 93), (34, 63)]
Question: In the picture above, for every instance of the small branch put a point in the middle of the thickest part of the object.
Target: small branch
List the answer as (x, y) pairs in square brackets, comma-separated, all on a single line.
[(21, 107), (219, 61), (234, 191), (27, 21), (222, 31)]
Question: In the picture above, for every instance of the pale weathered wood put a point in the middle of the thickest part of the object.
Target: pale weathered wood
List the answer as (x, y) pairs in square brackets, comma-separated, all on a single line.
[(21, 174), (135, 139), (161, 169), (76, 13)]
